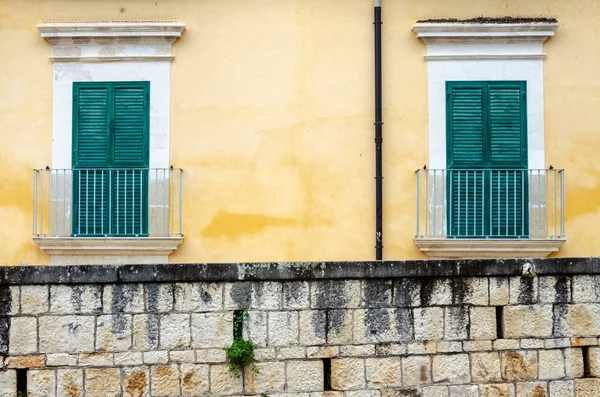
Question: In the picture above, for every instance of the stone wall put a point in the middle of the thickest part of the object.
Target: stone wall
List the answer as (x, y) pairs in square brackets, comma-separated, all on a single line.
[(429, 329)]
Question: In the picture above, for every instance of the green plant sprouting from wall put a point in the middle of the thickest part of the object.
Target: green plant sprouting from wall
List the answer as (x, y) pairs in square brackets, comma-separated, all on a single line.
[(241, 352)]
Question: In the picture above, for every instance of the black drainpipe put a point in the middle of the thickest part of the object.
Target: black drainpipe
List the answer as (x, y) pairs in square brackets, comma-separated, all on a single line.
[(378, 136)]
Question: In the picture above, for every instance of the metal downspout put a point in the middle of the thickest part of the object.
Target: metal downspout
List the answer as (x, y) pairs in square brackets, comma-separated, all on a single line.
[(378, 136)]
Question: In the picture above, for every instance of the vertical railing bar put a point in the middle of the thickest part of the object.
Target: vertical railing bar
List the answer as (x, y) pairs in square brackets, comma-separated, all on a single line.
[(523, 201), (166, 199), (547, 203), (483, 203), (427, 209), (499, 224), (49, 226), (418, 197), (562, 211), (171, 201), (555, 208), (102, 201), (64, 231), (539, 200), (125, 202), (434, 202), (95, 171), (450, 207), (467, 202), (87, 200), (459, 209), (530, 200), (444, 206), (141, 202), (180, 201), (110, 200), (506, 201), (515, 203), (491, 224), (156, 200), (118, 204), (34, 203)]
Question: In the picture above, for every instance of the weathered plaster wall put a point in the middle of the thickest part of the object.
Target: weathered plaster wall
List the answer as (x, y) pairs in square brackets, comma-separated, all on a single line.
[(271, 118), (387, 335)]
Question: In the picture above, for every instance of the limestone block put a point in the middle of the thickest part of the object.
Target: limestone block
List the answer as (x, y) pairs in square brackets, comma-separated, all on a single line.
[(312, 327), (78, 299), (145, 331), (435, 391), (416, 370), (34, 299), (528, 321), (449, 347), (198, 297), (283, 328), (523, 290), (552, 364), (165, 381), (12, 303), (506, 344), (464, 391), (324, 352), (407, 292), (532, 343), (428, 323), (362, 393), (586, 288), (255, 327), (497, 390), (573, 363), (61, 360), (594, 360), (194, 379), (69, 383), (578, 342), (519, 365), (555, 289), (304, 375), (382, 325), (159, 297), (8, 383), (266, 295), (485, 367), (483, 323), (96, 359), (471, 291), (401, 392), (589, 387), (136, 382), (102, 382), (421, 347), (390, 349), (113, 332), (212, 330), (335, 294), (383, 372), (296, 295), (175, 331), (66, 334), (436, 291), (557, 343), (340, 326), (224, 382), (451, 368), (211, 356), (532, 389), (128, 359), (271, 377), (182, 356), (376, 293), (456, 322), (561, 388), (286, 353), (123, 298), (41, 383), (347, 373), (36, 361), (156, 357), (499, 291), (237, 296), (578, 320), (23, 335)]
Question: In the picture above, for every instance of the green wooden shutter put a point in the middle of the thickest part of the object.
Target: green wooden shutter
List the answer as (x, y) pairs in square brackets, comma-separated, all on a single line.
[(110, 155), (130, 142), (486, 129), (507, 154), (91, 158), (466, 151)]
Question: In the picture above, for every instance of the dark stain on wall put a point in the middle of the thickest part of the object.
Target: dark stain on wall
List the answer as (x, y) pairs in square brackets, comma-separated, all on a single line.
[(526, 291), (562, 290), (376, 293), (241, 294)]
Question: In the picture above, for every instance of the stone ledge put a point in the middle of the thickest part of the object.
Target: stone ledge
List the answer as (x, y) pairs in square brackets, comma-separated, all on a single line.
[(488, 248), (104, 274), (107, 250)]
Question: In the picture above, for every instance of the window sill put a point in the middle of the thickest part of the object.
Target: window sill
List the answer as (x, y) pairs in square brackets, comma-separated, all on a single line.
[(488, 248), (108, 250)]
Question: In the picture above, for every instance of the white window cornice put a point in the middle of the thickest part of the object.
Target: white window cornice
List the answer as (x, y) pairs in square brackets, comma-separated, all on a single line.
[(58, 33), (431, 32)]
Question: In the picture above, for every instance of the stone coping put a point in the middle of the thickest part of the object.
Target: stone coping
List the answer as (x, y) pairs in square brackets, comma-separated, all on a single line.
[(103, 274)]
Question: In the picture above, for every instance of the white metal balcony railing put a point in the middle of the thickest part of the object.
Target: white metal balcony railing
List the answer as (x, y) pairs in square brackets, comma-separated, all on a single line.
[(107, 202), (485, 203)]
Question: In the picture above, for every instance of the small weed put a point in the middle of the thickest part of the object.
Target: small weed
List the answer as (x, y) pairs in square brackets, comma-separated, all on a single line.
[(241, 352)]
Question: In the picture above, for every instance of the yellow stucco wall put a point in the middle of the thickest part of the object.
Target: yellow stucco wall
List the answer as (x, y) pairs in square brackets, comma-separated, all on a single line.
[(272, 121)]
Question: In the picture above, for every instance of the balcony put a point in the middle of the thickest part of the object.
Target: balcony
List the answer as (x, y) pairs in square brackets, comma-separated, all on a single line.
[(484, 213), (108, 216)]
